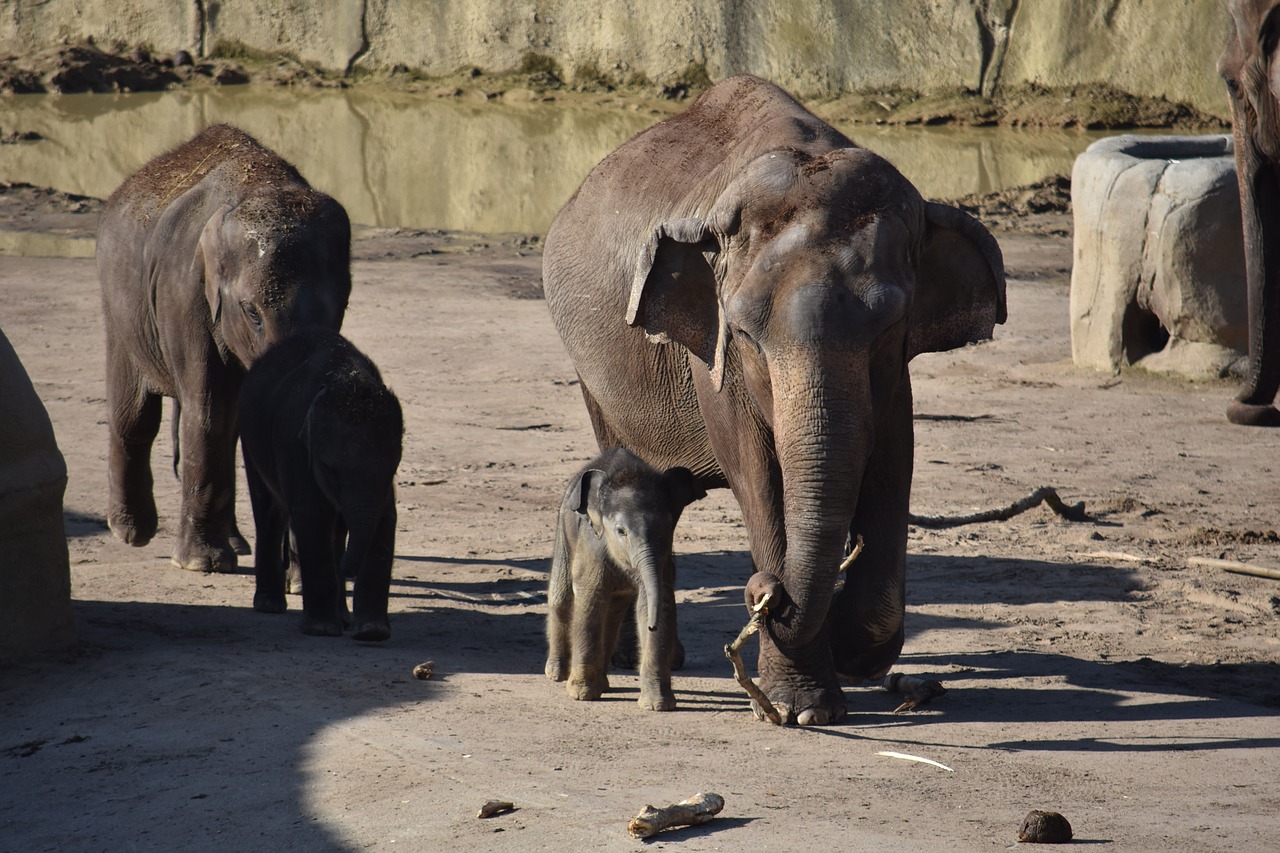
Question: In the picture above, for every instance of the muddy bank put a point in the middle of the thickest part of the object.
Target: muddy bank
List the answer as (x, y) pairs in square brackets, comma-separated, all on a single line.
[(87, 67)]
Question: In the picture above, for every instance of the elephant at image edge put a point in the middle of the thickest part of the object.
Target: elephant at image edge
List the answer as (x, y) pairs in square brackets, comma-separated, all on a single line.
[(1247, 65), (740, 289), (206, 256)]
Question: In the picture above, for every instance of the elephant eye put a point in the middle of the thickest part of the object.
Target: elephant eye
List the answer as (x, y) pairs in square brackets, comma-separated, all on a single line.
[(746, 336), (1233, 86), (252, 313), (622, 532)]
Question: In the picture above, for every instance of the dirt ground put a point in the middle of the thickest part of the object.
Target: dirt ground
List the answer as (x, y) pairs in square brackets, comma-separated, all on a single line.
[(1091, 668)]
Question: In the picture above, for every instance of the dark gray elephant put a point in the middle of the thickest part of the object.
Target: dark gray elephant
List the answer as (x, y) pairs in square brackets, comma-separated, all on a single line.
[(322, 438), (1248, 65), (206, 256), (740, 288), (613, 552)]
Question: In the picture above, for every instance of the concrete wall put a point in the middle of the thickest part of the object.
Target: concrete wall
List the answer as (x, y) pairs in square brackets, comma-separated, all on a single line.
[(1148, 47)]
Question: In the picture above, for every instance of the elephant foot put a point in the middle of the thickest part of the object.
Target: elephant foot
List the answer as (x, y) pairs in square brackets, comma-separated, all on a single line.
[(586, 691), (136, 529), (238, 544), (372, 631), (556, 669), (314, 626), (210, 559), (293, 579), (657, 701), (264, 603), (805, 708), (1249, 414)]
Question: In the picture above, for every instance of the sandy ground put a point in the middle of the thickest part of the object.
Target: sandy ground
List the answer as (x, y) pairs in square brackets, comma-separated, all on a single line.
[(1090, 668)]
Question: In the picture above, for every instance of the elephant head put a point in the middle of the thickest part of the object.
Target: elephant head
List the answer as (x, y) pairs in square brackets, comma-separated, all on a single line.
[(274, 262), (634, 510), (1251, 70), (265, 276), (802, 295)]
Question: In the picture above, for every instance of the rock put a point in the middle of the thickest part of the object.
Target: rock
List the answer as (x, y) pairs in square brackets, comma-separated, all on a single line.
[(35, 574), (1158, 275), (1041, 827)]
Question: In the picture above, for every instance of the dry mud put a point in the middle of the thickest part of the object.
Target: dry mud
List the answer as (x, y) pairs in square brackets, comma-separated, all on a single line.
[(1091, 669)]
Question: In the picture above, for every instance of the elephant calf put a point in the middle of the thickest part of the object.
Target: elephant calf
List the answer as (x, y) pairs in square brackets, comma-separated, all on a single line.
[(207, 255), (322, 438), (613, 549)]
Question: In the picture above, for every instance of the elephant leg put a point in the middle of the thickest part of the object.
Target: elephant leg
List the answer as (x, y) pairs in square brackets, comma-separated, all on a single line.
[(323, 596), (293, 574), (372, 588), (271, 522), (606, 437), (588, 677), (208, 484), (133, 422), (626, 651), (655, 656), (230, 528)]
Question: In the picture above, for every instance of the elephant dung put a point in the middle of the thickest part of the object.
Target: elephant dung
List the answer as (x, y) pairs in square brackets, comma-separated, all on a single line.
[(1158, 274), (1041, 827)]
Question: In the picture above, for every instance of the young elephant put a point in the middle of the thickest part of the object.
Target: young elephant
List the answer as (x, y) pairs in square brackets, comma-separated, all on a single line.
[(322, 438), (207, 255), (613, 548)]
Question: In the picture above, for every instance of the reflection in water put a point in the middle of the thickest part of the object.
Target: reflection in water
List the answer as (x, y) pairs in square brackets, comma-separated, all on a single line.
[(394, 159)]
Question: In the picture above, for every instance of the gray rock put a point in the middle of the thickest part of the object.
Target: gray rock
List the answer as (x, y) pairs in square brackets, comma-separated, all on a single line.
[(1158, 276), (35, 575)]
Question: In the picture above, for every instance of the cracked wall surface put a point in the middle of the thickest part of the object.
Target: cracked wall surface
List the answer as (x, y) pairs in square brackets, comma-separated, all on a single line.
[(1165, 48)]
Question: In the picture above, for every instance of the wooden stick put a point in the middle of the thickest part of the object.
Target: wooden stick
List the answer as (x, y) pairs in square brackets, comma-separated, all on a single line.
[(1044, 494), (853, 555), (917, 691), (698, 809), (733, 652), (1237, 568)]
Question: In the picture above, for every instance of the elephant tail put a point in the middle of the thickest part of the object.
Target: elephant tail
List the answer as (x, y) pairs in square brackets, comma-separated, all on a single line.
[(175, 429)]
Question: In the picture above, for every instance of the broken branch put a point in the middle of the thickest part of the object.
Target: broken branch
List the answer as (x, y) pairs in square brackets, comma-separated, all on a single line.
[(495, 807), (1235, 567), (698, 809), (916, 691), (733, 651), (1045, 494)]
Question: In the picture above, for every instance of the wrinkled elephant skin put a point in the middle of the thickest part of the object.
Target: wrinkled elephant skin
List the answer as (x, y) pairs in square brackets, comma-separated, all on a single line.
[(740, 289), (206, 256), (613, 554), (1250, 66), (322, 439)]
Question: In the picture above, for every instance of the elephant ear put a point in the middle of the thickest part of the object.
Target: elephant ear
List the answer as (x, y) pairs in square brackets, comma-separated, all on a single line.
[(210, 259), (960, 294), (584, 497), (673, 294)]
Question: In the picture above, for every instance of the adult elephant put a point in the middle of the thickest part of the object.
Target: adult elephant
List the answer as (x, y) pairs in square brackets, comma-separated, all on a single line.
[(206, 256), (740, 288), (1250, 66)]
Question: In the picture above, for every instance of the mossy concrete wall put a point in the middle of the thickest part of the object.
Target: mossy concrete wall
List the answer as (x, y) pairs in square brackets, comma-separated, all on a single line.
[(1162, 48)]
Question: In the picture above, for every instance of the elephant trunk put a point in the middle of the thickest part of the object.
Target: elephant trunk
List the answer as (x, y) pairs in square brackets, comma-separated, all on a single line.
[(651, 578), (821, 474), (1260, 209), (361, 529)]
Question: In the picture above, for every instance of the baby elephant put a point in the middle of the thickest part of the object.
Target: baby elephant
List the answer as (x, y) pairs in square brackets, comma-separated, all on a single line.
[(613, 548), (322, 438)]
